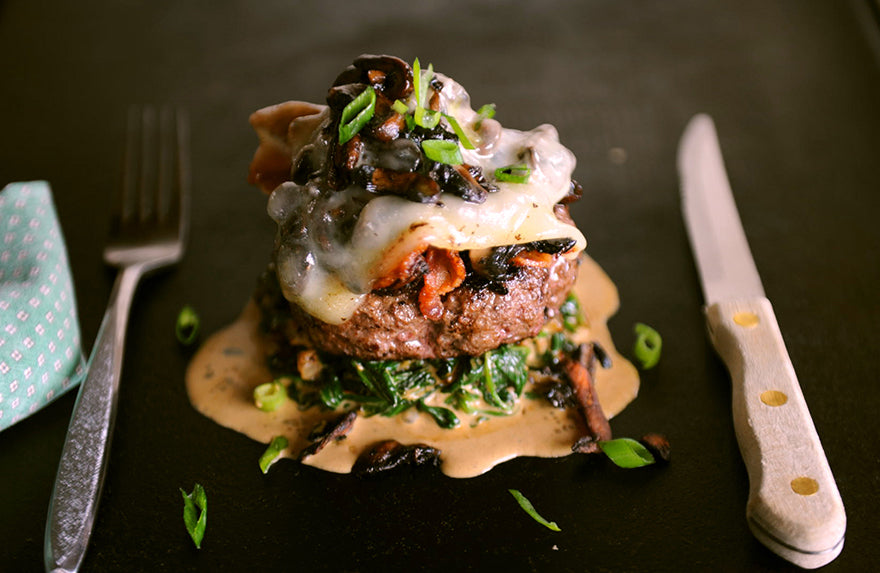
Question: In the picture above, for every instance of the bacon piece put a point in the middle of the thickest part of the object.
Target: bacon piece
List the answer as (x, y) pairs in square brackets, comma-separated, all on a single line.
[(407, 270), (446, 271)]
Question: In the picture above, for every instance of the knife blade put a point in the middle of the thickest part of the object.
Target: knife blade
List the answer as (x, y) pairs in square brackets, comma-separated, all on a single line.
[(794, 506)]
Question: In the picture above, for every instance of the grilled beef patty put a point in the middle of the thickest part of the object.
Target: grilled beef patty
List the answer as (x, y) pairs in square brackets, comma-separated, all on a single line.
[(389, 324)]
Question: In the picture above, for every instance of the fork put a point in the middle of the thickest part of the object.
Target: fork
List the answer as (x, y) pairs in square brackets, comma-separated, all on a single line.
[(147, 232)]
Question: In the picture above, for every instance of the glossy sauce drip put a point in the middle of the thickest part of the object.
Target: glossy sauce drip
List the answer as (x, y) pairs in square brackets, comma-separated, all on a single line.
[(221, 378)]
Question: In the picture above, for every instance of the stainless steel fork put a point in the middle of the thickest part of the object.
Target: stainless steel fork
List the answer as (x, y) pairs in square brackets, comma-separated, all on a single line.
[(148, 231)]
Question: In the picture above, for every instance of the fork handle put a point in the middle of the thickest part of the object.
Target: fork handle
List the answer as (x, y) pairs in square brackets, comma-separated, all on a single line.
[(80, 477)]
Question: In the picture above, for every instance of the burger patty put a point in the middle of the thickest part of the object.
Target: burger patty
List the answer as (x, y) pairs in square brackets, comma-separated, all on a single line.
[(390, 325)]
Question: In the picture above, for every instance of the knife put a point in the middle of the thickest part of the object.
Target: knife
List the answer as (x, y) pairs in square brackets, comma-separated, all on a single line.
[(794, 507)]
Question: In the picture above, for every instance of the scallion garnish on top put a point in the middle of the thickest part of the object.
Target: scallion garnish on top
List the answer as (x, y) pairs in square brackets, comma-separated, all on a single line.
[(517, 173), (356, 114), (459, 132), (400, 107), (442, 151), (423, 117), (486, 111), (647, 346), (195, 513), (187, 327), (530, 509)]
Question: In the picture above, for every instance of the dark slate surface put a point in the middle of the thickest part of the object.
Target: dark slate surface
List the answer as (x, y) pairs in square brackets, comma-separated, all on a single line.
[(794, 88)]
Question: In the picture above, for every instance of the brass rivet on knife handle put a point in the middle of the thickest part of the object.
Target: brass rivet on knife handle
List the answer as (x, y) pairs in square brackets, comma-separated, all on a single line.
[(804, 485)]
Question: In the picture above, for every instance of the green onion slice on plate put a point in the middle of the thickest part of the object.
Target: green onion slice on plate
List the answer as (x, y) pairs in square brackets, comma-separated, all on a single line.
[(627, 453), (187, 327), (530, 509), (195, 513), (272, 453), (648, 345)]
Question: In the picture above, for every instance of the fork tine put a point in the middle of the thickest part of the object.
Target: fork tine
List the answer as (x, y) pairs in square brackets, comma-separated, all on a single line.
[(123, 207), (164, 185), (182, 175), (154, 139), (147, 179)]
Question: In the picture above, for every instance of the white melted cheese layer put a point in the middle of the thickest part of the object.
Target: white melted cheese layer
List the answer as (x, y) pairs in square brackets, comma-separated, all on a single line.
[(327, 272)]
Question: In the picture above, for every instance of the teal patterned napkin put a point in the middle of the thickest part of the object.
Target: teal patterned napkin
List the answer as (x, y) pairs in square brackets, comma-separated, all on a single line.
[(40, 353)]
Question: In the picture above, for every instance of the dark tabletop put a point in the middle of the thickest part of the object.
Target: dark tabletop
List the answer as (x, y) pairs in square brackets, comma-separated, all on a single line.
[(794, 88)]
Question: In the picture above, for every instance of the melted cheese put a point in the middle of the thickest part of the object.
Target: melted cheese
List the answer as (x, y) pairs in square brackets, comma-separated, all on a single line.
[(332, 246)]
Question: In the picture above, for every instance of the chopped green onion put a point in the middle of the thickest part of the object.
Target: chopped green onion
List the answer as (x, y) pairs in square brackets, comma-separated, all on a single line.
[(517, 173), (485, 112), (187, 327), (268, 397), (272, 453), (424, 117), (428, 118), (400, 107), (647, 346), (530, 509), (627, 453), (442, 151), (465, 142), (195, 513), (356, 114)]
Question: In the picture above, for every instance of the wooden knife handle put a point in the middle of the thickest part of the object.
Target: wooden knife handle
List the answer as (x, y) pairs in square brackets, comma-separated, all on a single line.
[(794, 506)]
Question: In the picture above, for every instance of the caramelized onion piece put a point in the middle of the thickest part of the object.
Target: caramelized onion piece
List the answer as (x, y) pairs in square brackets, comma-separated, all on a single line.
[(335, 430), (389, 454), (580, 372)]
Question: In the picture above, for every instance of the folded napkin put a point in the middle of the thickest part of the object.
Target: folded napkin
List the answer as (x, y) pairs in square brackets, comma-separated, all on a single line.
[(40, 353)]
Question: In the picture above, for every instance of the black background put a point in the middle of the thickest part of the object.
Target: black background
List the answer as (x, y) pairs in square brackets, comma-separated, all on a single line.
[(794, 88)]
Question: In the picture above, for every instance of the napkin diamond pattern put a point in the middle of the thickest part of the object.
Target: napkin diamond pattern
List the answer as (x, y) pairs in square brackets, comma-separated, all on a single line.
[(40, 353)]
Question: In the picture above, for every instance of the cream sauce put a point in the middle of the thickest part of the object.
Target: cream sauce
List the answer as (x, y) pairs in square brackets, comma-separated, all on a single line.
[(222, 375)]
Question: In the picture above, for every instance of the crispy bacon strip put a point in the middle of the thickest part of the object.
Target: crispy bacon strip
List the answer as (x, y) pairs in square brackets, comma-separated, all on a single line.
[(580, 373), (446, 271), (408, 269)]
